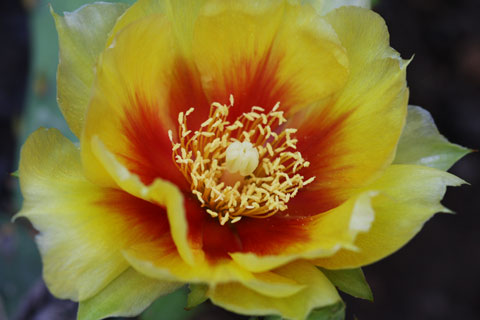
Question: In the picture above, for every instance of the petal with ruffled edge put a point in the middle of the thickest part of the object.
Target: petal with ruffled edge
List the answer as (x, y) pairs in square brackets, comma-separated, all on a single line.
[(150, 259), (266, 52), (409, 196), (160, 192), (269, 244), (179, 260), (83, 227), (142, 100), (128, 110), (318, 292), (422, 144), (173, 256), (126, 296), (340, 136), (183, 75), (82, 35)]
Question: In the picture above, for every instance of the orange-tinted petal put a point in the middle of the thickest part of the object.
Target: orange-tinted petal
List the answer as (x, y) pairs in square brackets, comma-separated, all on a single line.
[(161, 193), (266, 52), (128, 108), (351, 137), (267, 245), (82, 227)]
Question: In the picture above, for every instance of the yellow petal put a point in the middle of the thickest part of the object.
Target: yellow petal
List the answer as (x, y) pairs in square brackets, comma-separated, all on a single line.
[(181, 13), (409, 196), (160, 192), (326, 233), (274, 285), (82, 36), (318, 292), (181, 263), (132, 74), (265, 52), (127, 296), (78, 240), (138, 10), (344, 147), (168, 265), (156, 260)]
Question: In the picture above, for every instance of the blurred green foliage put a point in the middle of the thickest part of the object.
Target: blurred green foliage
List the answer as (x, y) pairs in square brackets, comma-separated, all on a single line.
[(170, 307), (20, 264)]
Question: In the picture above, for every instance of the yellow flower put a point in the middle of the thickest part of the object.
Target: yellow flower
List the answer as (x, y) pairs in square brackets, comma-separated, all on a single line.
[(236, 144)]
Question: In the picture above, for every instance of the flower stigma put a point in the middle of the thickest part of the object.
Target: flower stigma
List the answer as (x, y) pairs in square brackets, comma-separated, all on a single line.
[(241, 157), (247, 167)]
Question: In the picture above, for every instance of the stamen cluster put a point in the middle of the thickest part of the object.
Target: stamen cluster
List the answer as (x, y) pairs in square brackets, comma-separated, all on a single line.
[(201, 157)]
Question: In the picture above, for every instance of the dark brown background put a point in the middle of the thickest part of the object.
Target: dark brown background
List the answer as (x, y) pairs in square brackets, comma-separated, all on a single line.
[(437, 275)]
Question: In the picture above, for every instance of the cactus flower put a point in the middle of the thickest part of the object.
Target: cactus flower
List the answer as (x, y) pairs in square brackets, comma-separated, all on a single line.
[(236, 145)]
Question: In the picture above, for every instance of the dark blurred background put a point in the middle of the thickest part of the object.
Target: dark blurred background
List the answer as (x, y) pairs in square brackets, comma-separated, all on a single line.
[(436, 276)]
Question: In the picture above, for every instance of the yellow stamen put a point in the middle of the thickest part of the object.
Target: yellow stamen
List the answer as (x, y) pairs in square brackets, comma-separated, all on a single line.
[(221, 162)]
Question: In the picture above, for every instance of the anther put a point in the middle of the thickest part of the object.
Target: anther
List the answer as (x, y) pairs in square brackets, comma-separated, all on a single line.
[(221, 161)]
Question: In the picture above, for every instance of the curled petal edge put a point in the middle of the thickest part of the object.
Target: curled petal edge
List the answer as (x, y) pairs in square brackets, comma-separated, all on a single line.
[(355, 215), (160, 192)]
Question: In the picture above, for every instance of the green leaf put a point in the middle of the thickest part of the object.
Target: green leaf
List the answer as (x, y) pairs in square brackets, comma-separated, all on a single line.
[(128, 295), (422, 144), (15, 174), (82, 35), (351, 281), (197, 295), (332, 312), (170, 307)]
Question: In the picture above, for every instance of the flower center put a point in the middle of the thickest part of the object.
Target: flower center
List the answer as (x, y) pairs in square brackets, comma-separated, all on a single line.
[(241, 157), (245, 168)]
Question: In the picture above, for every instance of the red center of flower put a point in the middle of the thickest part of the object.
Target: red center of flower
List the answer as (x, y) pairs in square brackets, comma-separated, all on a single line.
[(257, 146)]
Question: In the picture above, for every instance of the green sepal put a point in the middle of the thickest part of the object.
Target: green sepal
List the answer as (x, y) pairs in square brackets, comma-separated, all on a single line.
[(334, 311), (273, 317), (82, 35), (422, 144), (15, 173), (197, 295), (351, 281), (127, 295)]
